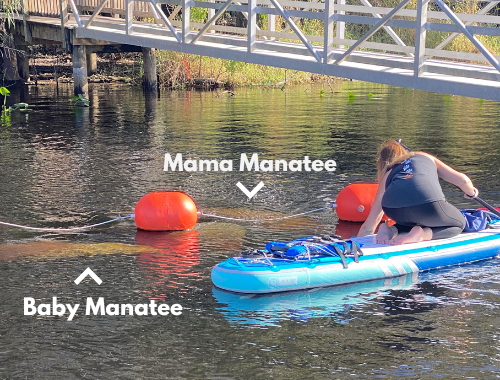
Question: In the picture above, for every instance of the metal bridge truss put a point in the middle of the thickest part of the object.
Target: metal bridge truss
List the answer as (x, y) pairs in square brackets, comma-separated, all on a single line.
[(474, 74)]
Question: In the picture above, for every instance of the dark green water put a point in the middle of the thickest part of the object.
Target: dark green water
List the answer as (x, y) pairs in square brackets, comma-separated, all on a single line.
[(65, 167)]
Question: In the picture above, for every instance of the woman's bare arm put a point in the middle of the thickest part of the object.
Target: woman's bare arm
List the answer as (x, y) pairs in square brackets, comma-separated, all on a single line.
[(376, 212), (452, 176)]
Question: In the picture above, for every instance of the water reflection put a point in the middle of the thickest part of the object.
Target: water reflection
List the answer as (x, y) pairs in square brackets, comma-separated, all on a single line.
[(420, 299), (334, 302), (347, 230), (170, 263)]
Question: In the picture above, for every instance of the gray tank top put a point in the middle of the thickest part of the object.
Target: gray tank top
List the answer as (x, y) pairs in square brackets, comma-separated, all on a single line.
[(412, 182)]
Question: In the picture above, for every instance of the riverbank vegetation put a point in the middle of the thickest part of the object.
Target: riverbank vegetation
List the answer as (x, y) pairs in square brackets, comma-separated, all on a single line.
[(175, 70)]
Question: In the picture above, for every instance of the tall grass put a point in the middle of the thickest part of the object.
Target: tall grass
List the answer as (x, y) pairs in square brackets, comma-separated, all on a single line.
[(177, 70)]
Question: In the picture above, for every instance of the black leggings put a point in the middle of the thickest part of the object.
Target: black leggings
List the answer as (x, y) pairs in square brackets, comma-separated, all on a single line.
[(444, 219)]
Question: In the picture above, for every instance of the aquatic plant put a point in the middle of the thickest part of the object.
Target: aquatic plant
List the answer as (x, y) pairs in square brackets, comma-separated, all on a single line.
[(5, 122), (4, 92), (20, 107), (80, 101), (5, 117), (17, 107)]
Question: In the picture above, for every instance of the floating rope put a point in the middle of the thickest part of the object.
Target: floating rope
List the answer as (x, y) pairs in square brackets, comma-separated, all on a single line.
[(270, 219), (67, 229), (132, 216)]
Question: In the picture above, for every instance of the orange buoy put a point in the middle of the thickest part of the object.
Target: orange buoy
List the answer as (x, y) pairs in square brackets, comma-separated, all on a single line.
[(354, 202), (166, 211)]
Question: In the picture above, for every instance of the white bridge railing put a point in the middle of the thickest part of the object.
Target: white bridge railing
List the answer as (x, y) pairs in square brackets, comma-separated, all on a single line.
[(178, 24)]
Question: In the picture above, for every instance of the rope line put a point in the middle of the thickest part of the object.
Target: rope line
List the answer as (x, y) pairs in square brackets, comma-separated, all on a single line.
[(132, 216), (67, 229), (270, 219)]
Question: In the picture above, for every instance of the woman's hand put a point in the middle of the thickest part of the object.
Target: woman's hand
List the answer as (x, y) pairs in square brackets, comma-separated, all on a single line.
[(475, 193), (365, 230)]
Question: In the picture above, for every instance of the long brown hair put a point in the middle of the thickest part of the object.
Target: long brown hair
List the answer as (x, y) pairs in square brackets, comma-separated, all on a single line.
[(390, 153)]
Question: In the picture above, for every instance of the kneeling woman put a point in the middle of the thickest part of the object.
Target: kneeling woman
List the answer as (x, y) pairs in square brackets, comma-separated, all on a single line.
[(410, 194)]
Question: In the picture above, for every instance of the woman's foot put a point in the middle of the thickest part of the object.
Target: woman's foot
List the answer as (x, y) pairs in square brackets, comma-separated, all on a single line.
[(385, 233), (417, 234)]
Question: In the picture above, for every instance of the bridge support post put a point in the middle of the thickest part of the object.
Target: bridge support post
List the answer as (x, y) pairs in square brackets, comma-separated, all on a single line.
[(81, 83), (420, 37), (10, 64), (150, 82), (23, 62), (91, 64), (63, 10)]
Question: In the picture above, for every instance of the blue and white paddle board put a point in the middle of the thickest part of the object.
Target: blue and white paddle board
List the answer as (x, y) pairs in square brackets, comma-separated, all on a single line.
[(260, 274)]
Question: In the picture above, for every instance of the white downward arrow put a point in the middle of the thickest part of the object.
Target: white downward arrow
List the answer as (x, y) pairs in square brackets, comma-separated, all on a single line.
[(88, 272), (250, 194)]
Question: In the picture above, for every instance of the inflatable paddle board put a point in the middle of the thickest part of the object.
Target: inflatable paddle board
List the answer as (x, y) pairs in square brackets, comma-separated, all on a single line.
[(355, 260)]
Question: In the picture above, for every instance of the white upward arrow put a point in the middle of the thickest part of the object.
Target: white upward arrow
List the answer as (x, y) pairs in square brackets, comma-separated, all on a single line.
[(250, 194), (88, 272)]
